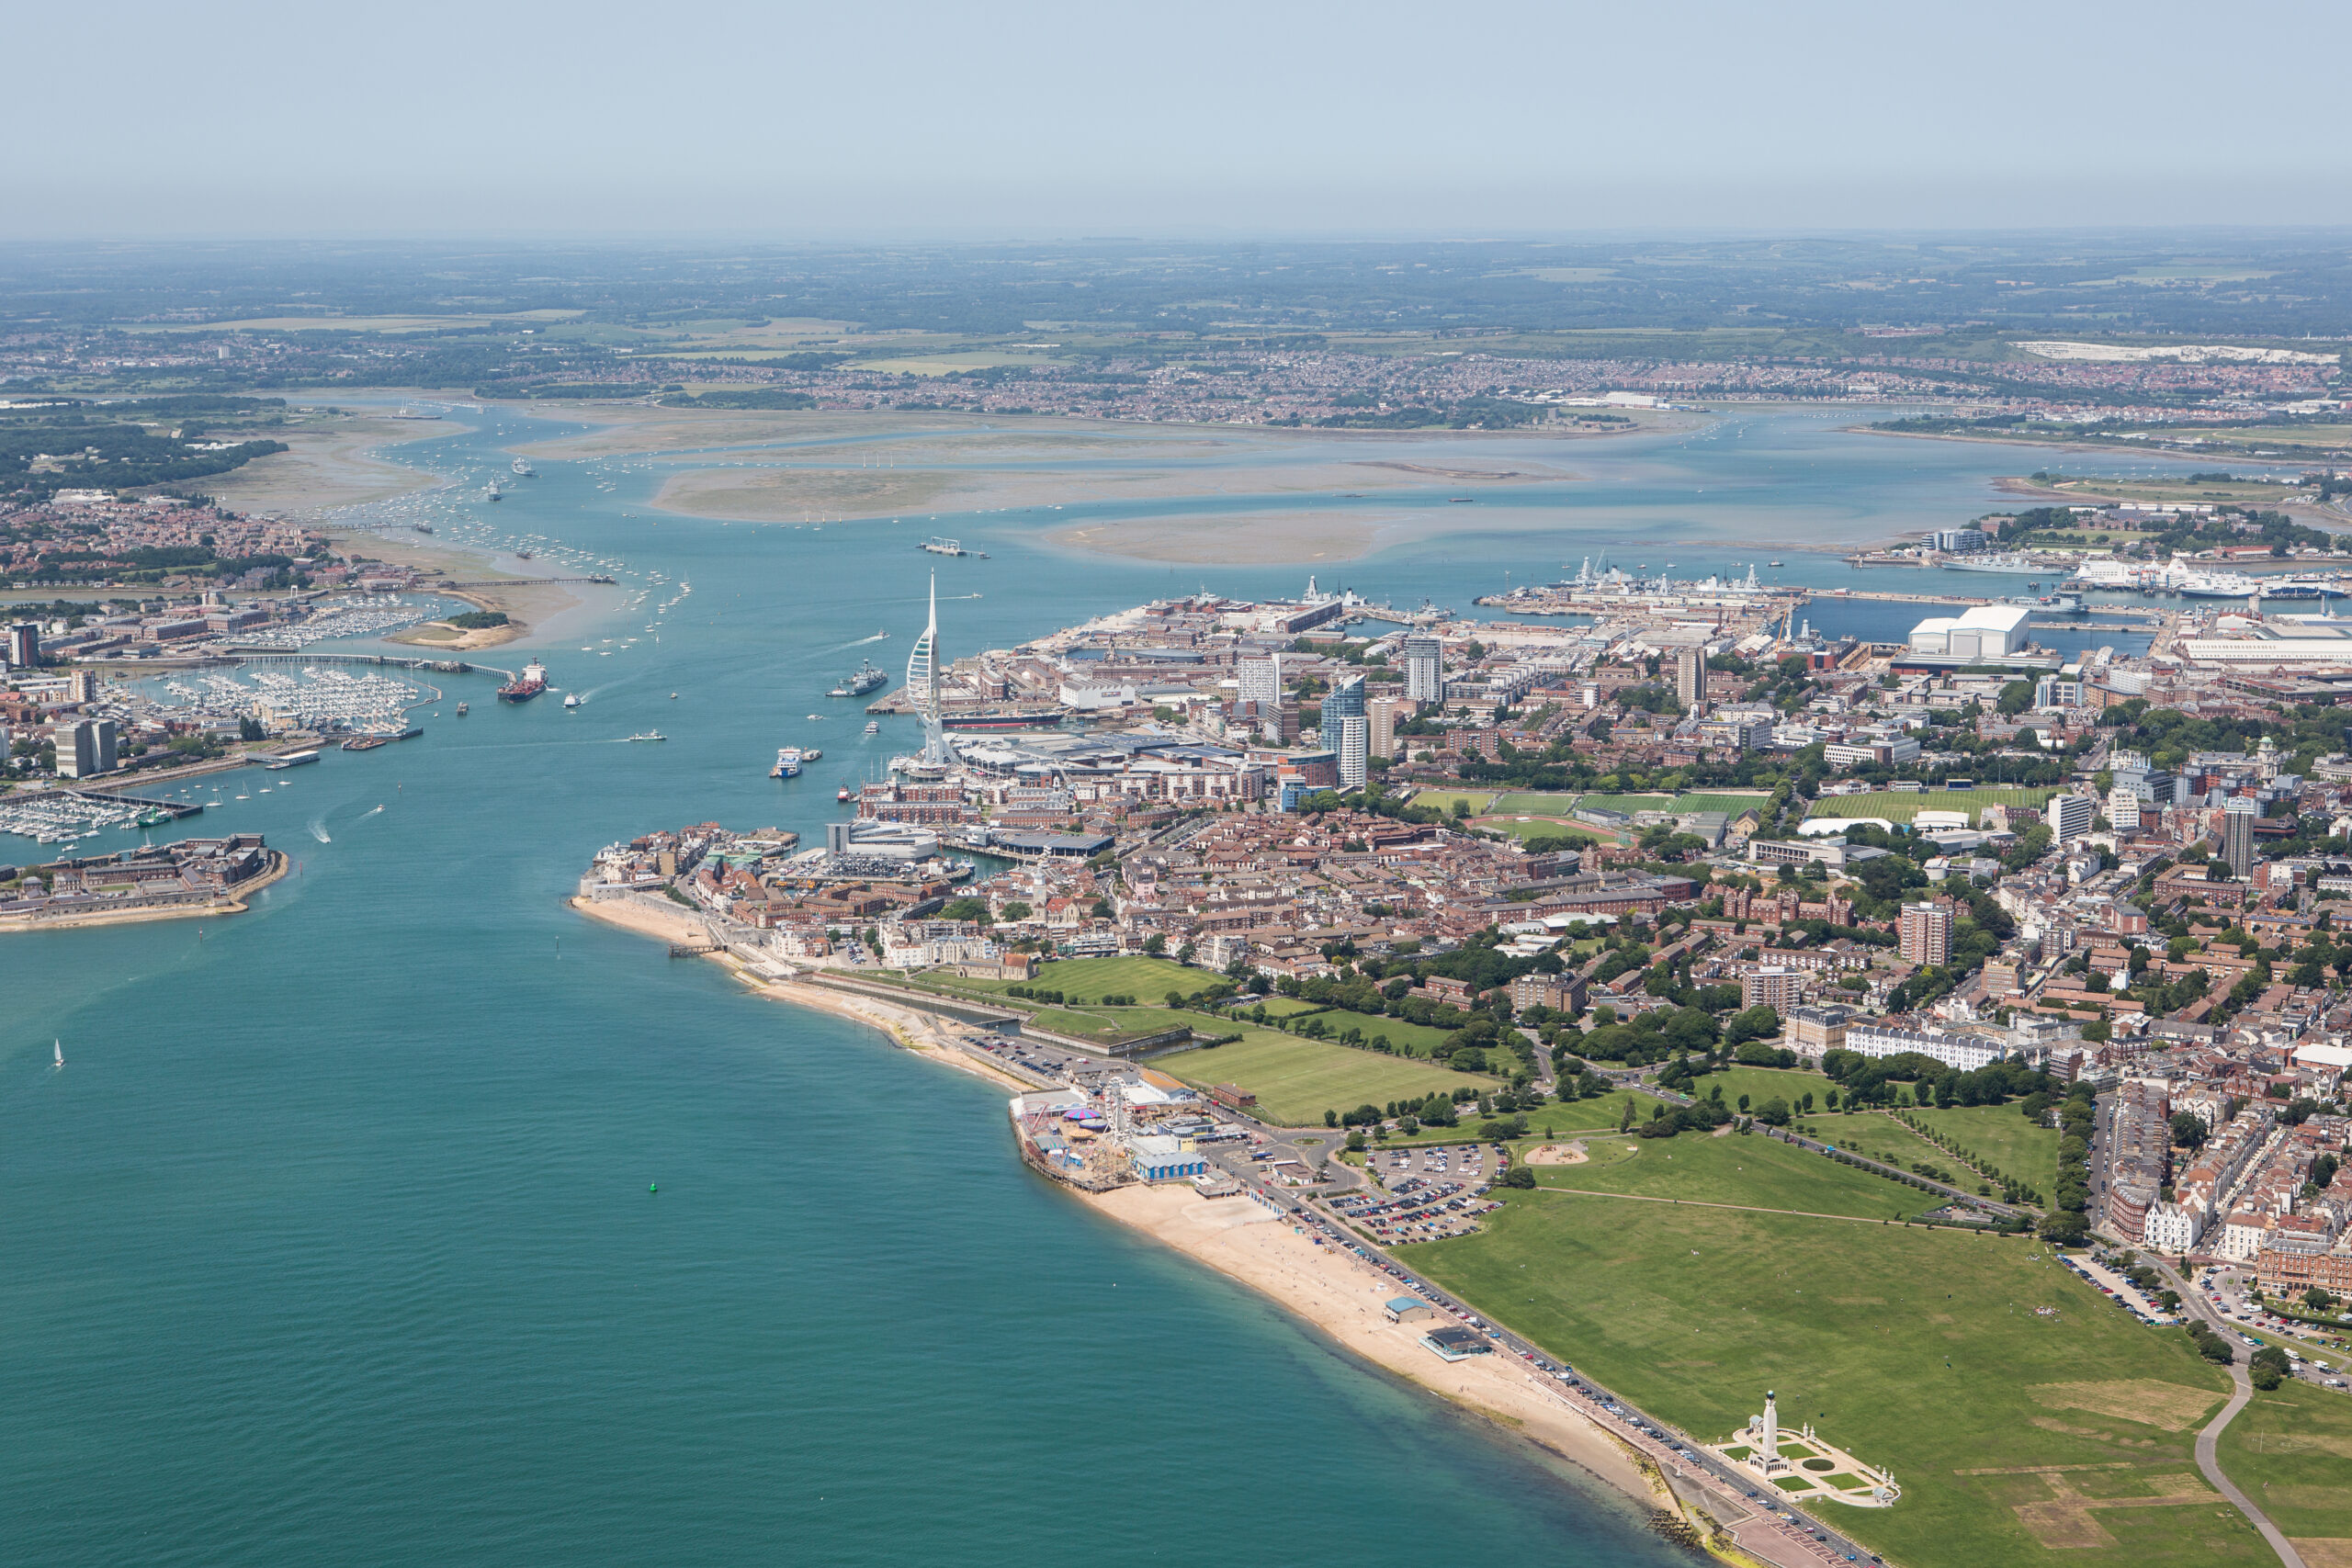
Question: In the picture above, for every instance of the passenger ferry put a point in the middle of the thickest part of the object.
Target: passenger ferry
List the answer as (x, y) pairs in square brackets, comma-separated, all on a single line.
[(788, 764)]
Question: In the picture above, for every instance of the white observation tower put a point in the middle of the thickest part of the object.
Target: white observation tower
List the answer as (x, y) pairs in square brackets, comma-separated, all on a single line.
[(923, 689)]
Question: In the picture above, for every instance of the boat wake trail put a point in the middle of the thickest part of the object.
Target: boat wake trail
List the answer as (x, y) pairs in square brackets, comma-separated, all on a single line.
[(318, 826), (858, 642), (371, 811)]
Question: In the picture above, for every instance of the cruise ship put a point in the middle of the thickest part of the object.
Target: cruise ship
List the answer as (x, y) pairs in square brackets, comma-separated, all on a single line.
[(1992, 561), (867, 678)]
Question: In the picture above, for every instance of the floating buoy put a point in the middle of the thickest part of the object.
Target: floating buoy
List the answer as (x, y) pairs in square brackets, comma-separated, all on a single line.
[(653, 1187)]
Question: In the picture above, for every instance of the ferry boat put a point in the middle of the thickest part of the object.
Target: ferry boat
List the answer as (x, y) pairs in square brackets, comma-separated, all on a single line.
[(867, 678), (872, 727), (650, 734), (2217, 585), (788, 764), (461, 710), (529, 684), (940, 546), (525, 470), (493, 493), (571, 699), (369, 742), (292, 759), (2301, 588), (1992, 561)]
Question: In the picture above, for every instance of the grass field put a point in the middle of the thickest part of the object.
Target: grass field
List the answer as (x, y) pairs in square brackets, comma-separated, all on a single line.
[(1918, 1349), (1761, 1084), (1881, 1137), (1444, 799), (1998, 1133), (1729, 805), (1900, 806), (1107, 1026), (1535, 801), (1587, 1115), (1296, 1080), (1285, 1006), (1409, 1039), (1091, 979), (1749, 1171), (2291, 1450)]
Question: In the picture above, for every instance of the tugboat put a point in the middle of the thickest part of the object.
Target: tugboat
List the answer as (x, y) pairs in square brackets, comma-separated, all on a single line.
[(529, 684), (842, 794)]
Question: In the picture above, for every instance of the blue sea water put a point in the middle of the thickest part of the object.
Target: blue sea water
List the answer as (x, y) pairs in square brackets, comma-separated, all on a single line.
[(333, 1243)]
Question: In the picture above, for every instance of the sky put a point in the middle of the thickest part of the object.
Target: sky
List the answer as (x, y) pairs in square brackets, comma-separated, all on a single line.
[(1042, 119)]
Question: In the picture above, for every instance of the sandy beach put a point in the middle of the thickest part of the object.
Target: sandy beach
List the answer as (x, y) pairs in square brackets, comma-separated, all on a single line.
[(1343, 1296), (1326, 1286)]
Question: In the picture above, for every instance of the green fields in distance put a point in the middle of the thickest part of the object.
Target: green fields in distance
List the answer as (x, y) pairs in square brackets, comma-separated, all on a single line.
[(1922, 1350), (2291, 1451), (2001, 1134), (1748, 1172), (1901, 805), (1086, 980), (1296, 1080)]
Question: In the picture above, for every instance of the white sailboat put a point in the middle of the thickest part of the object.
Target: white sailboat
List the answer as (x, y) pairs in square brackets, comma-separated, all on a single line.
[(60, 1047)]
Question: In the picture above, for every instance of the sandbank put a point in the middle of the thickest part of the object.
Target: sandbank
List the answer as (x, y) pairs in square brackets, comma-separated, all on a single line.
[(459, 639), (331, 465)]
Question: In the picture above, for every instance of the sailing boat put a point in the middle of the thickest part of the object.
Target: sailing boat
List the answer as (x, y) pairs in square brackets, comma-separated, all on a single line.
[(60, 1047)]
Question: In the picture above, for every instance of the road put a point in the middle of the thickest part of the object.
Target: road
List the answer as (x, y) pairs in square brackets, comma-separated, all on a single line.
[(2209, 1440)]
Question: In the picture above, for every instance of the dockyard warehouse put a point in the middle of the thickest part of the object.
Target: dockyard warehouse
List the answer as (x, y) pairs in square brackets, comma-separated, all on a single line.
[(1988, 631)]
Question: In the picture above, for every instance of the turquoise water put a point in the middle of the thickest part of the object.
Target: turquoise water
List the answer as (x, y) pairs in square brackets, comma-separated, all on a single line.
[(331, 1244)]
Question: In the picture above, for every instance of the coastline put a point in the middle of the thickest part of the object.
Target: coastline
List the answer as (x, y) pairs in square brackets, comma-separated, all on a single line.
[(908, 1028), (235, 905), (1328, 1288), (1336, 1291)]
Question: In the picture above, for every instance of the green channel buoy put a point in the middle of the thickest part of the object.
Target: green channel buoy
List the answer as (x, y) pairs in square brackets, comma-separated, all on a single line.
[(653, 1187)]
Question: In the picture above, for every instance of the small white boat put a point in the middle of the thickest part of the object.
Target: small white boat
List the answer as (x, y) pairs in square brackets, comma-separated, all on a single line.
[(650, 734), (872, 727), (571, 699)]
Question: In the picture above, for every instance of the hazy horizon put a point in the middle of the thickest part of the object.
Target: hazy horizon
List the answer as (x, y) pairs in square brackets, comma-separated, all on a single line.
[(1056, 121)]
